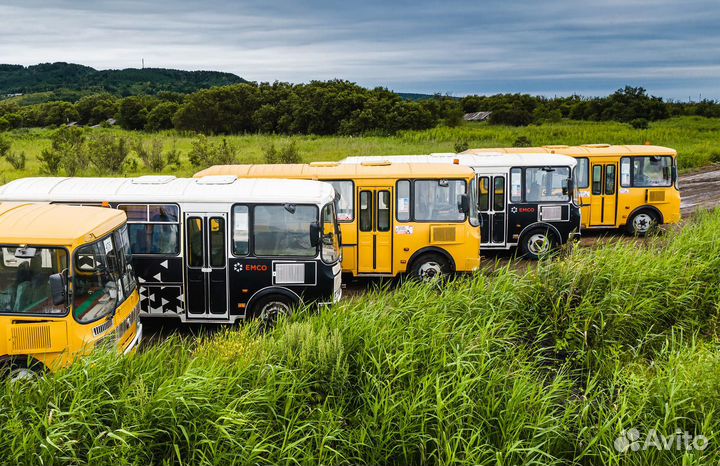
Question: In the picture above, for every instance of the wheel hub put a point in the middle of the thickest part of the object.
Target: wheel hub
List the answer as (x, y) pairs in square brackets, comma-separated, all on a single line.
[(538, 243), (642, 223), (430, 270)]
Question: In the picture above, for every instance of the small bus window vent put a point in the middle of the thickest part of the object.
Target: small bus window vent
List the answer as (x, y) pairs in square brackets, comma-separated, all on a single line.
[(288, 274)]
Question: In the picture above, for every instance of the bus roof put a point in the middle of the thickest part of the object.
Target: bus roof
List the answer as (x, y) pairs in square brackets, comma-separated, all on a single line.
[(338, 171), (45, 224), (470, 160), (167, 189), (586, 150)]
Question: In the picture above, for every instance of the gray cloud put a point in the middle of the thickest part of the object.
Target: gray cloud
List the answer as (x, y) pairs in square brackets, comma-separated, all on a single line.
[(554, 47)]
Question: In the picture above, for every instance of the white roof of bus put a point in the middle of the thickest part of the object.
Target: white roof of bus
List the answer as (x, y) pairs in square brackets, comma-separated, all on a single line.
[(484, 160), (168, 189)]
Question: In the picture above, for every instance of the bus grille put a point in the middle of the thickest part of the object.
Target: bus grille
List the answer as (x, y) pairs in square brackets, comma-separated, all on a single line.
[(551, 213), (100, 329), (656, 196), (442, 235), (286, 274), (30, 337)]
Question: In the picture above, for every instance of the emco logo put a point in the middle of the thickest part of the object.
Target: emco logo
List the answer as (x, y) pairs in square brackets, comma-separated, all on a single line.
[(256, 268), (526, 210)]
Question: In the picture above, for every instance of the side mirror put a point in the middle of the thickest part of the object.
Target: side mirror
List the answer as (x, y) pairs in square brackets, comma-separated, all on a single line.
[(464, 204), (314, 234), (570, 188), (58, 289)]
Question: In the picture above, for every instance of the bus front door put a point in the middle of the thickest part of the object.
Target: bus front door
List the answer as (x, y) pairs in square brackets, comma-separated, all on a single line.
[(375, 231), (491, 206), (603, 205), (206, 265)]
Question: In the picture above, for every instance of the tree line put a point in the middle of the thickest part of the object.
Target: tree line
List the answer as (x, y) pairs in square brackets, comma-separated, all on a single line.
[(335, 107)]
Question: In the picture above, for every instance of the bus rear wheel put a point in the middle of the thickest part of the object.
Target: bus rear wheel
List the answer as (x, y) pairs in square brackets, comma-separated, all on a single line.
[(537, 243), (429, 267), (642, 223), (271, 308)]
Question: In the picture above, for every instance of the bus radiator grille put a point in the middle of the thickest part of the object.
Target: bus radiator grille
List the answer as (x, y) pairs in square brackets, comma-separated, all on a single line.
[(656, 196), (442, 234), (30, 337), (288, 274)]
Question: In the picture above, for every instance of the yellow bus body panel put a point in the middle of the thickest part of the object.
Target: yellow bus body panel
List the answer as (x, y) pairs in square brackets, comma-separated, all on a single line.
[(57, 341), (613, 213), (394, 249)]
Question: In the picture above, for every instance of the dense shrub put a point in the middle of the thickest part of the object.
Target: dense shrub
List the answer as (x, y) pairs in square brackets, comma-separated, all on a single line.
[(204, 153), (286, 154), (108, 153), (67, 151)]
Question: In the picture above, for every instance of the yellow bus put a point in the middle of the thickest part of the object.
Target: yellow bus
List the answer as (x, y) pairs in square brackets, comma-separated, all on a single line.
[(394, 218), (66, 285), (632, 187)]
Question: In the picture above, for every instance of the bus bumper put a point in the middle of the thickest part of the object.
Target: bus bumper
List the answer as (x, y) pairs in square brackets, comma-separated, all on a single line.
[(136, 341)]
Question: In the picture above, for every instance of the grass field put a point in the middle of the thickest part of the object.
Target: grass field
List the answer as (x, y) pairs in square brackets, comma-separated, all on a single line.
[(546, 367), (695, 138)]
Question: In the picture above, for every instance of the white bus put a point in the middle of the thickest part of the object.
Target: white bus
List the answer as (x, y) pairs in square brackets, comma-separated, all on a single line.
[(524, 200), (216, 249)]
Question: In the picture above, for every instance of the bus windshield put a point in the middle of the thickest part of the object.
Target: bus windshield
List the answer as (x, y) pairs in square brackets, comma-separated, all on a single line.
[(24, 276), (547, 184), (96, 291)]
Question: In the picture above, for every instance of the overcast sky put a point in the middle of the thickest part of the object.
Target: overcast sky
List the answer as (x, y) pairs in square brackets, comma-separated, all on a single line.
[(671, 47)]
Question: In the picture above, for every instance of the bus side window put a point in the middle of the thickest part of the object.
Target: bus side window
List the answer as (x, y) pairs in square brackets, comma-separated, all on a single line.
[(240, 232), (597, 179), (625, 172), (403, 200), (217, 242), (345, 204), (516, 185), (484, 194), (581, 173)]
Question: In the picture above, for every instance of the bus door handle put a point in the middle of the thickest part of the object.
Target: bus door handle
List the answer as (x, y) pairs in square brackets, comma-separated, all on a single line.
[(206, 270)]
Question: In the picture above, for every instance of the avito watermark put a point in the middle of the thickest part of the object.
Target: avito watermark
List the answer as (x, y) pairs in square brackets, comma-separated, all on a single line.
[(680, 440)]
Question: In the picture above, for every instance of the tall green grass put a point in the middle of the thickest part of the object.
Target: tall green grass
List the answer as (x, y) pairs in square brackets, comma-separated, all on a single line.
[(695, 138), (544, 367)]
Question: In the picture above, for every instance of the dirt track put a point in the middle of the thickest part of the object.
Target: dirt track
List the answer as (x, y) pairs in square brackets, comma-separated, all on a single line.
[(700, 190)]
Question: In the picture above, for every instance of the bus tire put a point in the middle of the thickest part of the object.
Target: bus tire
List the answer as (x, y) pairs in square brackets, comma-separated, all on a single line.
[(537, 243), (17, 369), (642, 222), (268, 309), (430, 266)]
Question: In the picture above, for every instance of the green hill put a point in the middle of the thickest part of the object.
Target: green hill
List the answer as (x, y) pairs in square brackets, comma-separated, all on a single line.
[(55, 77)]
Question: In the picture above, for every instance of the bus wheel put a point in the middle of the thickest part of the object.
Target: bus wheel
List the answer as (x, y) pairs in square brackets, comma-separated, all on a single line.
[(642, 222), (537, 243), (429, 267), (17, 370), (271, 308)]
